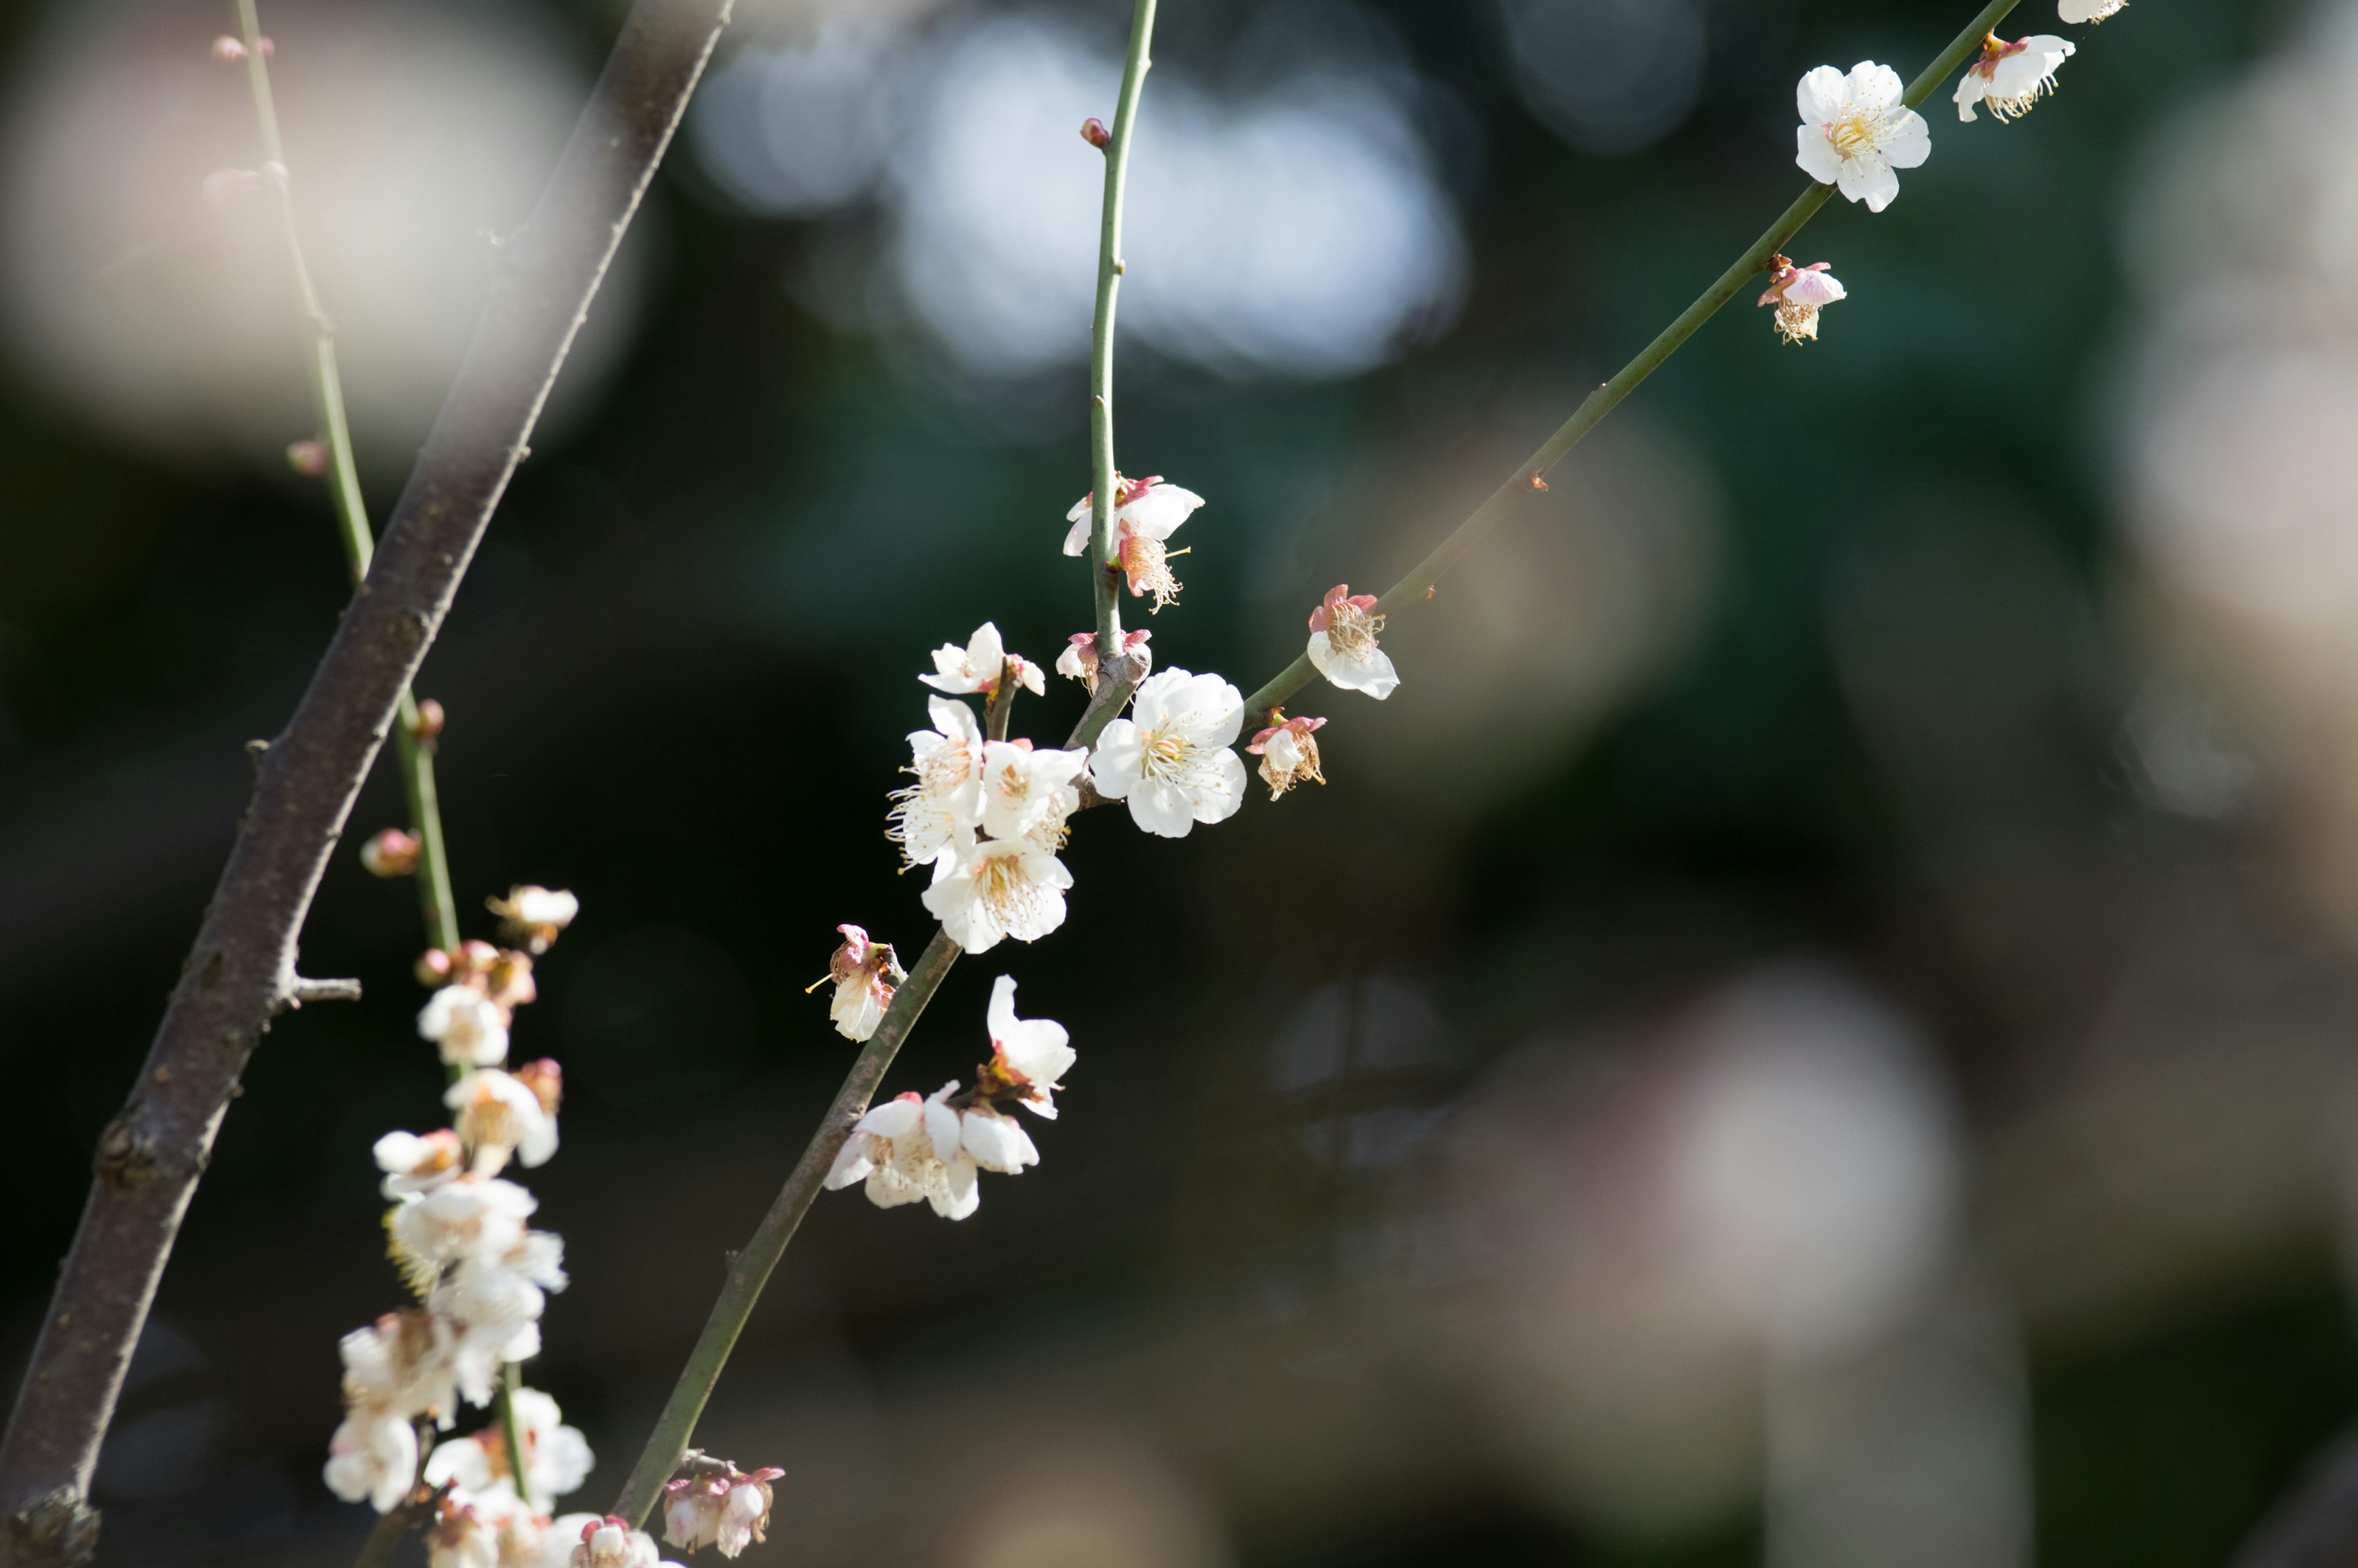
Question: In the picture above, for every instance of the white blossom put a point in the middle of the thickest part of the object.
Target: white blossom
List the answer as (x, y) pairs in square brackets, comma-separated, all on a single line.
[(745, 1513), (996, 1141), (864, 974), (494, 1110), (1854, 132), (927, 817), (1022, 787), (373, 1455), (2079, 11), (470, 1028), (1798, 293), (908, 1149), (1170, 759), (987, 889), (533, 916), (463, 1218), (556, 1458), (2011, 78), (1148, 512), (401, 1363), (1029, 1056), (1343, 644), (691, 1514), (610, 1542), (415, 1165), (466, 1536), (1289, 754), (975, 667)]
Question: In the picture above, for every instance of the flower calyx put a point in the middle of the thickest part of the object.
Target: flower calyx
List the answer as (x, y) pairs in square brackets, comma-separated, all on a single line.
[(1288, 754)]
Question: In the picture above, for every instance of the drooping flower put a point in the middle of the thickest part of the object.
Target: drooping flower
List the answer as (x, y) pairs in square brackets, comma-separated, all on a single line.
[(745, 1513), (1343, 643), (470, 1027), (2011, 77), (1288, 754), (864, 974), (1022, 787), (498, 1114), (1798, 293), (717, 1505), (1079, 659), (1170, 759), (533, 916), (2089, 11), (947, 796), (975, 667), (610, 1542), (1029, 1056), (996, 1141), (908, 1149), (1148, 512), (987, 889), (692, 1513), (1854, 132)]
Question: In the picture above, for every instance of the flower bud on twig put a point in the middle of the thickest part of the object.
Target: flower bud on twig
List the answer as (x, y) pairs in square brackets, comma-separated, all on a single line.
[(309, 458), (392, 853), (428, 728), (433, 967), (1093, 131)]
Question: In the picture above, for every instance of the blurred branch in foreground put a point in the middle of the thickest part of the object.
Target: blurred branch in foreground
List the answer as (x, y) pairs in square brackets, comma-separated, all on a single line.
[(241, 971)]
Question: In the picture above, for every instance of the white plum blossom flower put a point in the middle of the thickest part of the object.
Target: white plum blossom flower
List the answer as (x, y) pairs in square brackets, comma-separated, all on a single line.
[(1288, 753), (533, 916), (471, 1217), (1148, 512), (1798, 293), (1079, 659), (975, 667), (413, 1164), (1024, 789), (1343, 643), (2011, 77), (745, 1513), (864, 974), (719, 1504), (987, 889), (996, 1141), (928, 816), (691, 1514), (496, 1112), (610, 1542), (1170, 759), (470, 1028), (463, 1535), (373, 1457), (1029, 1056), (2089, 11), (908, 1149), (401, 1363), (557, 1458), (1854, 132)]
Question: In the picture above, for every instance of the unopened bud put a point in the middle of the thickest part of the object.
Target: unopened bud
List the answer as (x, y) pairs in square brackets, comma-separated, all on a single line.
[(433, 968), (1093, 131), (545, 1079), (392, 853), (429, 721), (509, 980), (309, 458), (225, 188), (228, 51)]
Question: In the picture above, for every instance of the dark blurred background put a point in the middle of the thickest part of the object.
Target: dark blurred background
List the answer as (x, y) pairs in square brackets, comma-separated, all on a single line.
[(1814, 1028)]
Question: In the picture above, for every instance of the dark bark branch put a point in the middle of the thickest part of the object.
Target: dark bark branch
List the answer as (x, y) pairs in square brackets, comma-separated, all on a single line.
[(241, 971)]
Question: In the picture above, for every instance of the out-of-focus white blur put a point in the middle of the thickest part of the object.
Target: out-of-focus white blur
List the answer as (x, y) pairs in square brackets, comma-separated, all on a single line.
[(2242, 394), (415, 134), (1287, 225), (1608, 76)]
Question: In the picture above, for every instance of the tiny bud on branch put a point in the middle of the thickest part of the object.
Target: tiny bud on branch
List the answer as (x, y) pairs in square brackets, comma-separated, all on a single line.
[(1093, 131)]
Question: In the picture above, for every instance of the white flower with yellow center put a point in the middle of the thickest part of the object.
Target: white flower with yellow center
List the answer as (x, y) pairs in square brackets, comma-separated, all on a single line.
[(1148, 512), (2011, 77), (947, 796), (1854, 132), (494, 1110), (1024, 789), (1170, 759), (987, 889), (1343, 643), (908, 1149)]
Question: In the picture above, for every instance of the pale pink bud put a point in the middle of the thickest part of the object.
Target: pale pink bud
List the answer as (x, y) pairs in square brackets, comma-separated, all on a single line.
[(433, 968), (1094, 131), (429, 721), (309, 458), (392, 853)]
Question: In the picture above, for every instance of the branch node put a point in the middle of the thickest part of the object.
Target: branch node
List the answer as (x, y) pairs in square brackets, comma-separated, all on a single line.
[(56, 1529), (302, 989)]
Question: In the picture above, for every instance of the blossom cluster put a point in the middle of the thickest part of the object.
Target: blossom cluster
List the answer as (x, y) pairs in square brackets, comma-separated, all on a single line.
[(459, 1233)]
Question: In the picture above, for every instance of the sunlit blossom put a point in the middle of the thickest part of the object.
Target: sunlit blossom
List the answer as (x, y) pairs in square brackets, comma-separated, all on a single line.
[(1170, 759), (1798, 293), (975, 667), (2011, 77), (1288, 752), (1029, 1056), (1023, 786), (1148, 512), (1854, 132), (910, 1148), (864, 974), (947, 796), (470, 1028), (412, 1163), (2077, 12), (987, 889), (498, 1113), (373, 1457), (533, 916), (1343, 644)]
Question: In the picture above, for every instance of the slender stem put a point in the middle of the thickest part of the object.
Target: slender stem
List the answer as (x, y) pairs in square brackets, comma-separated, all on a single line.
[(749, 1270), (1105, 580), (1519, 488)]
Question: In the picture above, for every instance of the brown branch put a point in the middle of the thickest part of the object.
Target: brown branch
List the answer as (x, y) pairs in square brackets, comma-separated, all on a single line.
[(241, 971)]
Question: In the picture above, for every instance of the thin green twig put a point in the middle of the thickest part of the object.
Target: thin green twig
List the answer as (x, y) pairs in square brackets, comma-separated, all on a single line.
[(1519, 488), (1105, 578)]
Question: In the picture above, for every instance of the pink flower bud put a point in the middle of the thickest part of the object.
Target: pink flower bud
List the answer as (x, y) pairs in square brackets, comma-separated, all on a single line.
[(228, 51), (1094, 131), (433, 968), (429, 721), (392, 853), (309, 458)]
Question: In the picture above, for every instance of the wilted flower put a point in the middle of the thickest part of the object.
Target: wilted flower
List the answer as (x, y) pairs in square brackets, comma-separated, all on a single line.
[(470, 1028), (958, 671), (392, 853), (1288, 753), (1798, 293), (745, 1512), (1343, 643), (498, 1114), (864, 974), (1146, 514), (2078, 11), (1029, 1056), (908, 1149), (2011, 77), (947, 796), (1079, 659), (987, 889), (1854, 132), (533, 916), (717, 1505), (1023, 788), (1170, 759)]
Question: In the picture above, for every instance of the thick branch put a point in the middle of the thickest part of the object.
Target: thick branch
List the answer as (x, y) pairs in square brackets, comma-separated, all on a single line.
[(151, 1156)]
